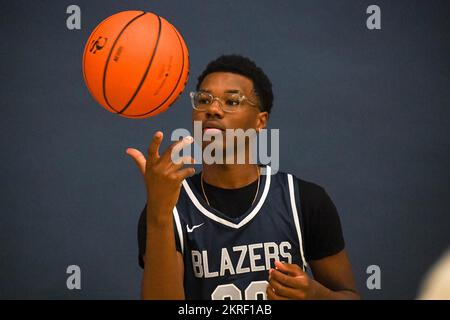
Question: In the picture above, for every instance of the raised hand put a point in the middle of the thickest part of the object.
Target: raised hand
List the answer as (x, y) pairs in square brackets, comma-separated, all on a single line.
[(162, 176)]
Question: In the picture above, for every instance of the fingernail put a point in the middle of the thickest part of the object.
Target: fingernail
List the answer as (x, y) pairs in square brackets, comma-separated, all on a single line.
[(189, 139)]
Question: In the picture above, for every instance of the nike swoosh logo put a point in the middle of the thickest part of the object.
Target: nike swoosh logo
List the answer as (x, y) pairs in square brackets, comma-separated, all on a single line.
[(189, 230)]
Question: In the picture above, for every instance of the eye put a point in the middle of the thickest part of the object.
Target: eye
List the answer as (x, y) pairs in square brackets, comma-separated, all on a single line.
[(233, 101), (203, 99)]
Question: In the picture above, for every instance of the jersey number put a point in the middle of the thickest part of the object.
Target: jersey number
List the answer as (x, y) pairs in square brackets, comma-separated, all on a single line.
[(256, 290)]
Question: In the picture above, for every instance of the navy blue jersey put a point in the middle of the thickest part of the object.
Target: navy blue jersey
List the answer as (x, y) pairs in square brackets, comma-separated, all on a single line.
[(230, 258)]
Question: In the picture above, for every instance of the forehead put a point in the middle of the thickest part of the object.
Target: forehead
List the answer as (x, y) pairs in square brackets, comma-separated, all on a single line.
[(222, 81)]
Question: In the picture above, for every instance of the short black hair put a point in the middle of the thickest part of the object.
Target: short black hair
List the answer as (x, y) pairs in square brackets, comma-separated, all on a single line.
[(244, 66)]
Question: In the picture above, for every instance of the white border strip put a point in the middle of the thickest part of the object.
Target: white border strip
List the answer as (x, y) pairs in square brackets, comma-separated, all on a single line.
[(295, 214), (180, 231), (212, 216)]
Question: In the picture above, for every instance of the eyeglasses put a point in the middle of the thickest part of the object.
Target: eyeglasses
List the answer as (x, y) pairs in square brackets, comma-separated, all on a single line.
[(229, 102)]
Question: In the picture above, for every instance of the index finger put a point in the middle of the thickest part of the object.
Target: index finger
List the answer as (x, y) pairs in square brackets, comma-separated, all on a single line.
[(153, 150), (291, 269)]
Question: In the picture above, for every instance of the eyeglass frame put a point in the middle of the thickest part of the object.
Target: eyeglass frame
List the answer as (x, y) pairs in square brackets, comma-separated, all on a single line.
[(242, 98)]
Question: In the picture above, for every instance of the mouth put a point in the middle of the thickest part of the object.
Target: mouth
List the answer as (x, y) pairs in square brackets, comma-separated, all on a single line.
[(212, 127)]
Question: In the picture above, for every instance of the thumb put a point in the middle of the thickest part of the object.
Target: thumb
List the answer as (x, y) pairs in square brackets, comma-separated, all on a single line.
[(139, 158), (291, 269)]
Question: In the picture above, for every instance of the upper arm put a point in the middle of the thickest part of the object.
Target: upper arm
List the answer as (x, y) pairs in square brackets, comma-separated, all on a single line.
[(334, 272), (320, 219), (325, 245), (180, 264)]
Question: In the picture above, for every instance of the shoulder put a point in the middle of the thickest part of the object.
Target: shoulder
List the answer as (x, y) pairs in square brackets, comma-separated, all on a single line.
[(308, 190), (323, 230), (311, 191), (315, 200)]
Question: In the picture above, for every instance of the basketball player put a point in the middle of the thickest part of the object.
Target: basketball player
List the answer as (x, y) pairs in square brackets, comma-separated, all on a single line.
[(230, 232)]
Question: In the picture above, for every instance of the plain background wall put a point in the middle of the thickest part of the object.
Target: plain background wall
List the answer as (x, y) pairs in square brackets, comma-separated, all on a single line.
[(363, 113)]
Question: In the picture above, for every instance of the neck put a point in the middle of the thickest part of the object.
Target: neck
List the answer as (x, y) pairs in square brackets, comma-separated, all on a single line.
[(230, 176)]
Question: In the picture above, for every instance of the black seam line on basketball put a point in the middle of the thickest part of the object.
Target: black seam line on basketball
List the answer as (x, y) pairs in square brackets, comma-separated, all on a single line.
[(176, 85), (178, 81), (110, 54), (146, 71)]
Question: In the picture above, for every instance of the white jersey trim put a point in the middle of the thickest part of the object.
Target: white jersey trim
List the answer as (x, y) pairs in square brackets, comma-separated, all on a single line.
[(212, 216), (296, 220), (179, 229)]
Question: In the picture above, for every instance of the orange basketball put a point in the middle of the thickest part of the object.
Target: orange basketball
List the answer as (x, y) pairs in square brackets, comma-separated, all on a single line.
[(135, 64)]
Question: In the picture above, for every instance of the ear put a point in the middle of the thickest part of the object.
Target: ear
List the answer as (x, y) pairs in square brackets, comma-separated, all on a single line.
[(261, 120)]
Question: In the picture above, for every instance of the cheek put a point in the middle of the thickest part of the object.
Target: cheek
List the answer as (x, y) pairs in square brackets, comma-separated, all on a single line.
[(245, 121)]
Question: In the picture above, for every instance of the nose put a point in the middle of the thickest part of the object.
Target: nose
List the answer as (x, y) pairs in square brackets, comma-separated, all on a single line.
[(215, 109)]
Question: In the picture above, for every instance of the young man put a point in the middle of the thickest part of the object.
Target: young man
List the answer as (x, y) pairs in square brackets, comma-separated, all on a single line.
[(230, 232)]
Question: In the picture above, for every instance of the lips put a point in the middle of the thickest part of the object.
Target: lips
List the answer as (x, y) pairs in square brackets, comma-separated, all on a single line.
[(212, 125)]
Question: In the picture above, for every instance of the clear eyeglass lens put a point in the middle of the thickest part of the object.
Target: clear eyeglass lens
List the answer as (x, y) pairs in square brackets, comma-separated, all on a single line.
[(203, 99), (229, 102)]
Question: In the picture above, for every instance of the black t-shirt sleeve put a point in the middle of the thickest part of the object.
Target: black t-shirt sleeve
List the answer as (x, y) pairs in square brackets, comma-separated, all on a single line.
[(142, 236), (322, 226)]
